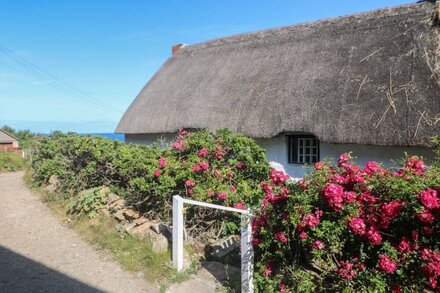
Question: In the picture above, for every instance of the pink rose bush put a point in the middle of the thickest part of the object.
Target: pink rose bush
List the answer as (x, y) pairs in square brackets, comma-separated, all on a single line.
[(352, 229)]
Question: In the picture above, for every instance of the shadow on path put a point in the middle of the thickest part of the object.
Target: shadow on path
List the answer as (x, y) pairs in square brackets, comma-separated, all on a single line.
[(21, 274)]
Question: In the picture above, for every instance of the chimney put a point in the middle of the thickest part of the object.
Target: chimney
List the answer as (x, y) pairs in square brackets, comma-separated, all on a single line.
[(176, 48)]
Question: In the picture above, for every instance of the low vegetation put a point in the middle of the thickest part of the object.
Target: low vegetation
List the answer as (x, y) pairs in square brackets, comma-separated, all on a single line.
[(11, 161)]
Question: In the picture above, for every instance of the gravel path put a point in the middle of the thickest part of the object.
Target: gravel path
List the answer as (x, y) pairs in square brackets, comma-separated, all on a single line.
[(39, 254)]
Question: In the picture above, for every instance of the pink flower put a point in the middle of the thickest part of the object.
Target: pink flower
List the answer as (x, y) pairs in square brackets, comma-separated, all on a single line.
[(346, 270), (162, 162), (374, 236), (318, 245), (372, 168), (357, 225), (391, 209), (404, 245), (343, 160), (204, 166), (396, 289), (416, 166), (203, 153), (426, 217), (428, 198), (333, 196), (348, 196), (211, 193), (241, 166), (233, 189), (386, 264), (196, 168), (278, 177), (319, 165), (223, 195), (267, 270), (178, 145), (312, 220), (281, 237), (303, 235), (157, 173), (189, 183), (189, 192), (240, 206), (217, 173)]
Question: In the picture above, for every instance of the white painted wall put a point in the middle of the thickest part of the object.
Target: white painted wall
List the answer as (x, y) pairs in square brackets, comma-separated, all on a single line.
[(276, 151)]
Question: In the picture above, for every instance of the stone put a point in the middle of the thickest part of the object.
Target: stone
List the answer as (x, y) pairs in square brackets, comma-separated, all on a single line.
[(112, 198), (159, 243), (53, 184), (162, 228), (119, 215), (224, 246), (129, 227), (117, 205), (140, 221), (131, 214), (141, 230), (221, 272)]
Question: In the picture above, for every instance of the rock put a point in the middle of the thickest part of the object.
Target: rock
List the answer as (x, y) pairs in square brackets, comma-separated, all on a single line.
[(105, 212), (220, 272), (119, 215), (159, 243), (53, 184), (140, 221), (131, 214), (112, 198), (129, 227), (117, 205), (224, 246), (162, 228), (141, 230)]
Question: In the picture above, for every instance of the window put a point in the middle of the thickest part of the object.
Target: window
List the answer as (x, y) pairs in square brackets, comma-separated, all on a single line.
[(303, 149)]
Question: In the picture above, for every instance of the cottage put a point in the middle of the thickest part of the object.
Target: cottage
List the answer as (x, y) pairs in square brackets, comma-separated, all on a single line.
[(367, 83), (7, 141)]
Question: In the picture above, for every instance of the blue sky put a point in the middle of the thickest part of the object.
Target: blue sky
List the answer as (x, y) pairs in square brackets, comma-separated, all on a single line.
[(105, 51)]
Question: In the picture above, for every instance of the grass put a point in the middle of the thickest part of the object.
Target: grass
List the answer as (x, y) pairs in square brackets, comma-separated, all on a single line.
[(132, 253), (11, 161)]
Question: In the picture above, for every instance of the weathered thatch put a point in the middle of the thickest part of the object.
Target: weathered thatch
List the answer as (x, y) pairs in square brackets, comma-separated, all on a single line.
[(370, 78)]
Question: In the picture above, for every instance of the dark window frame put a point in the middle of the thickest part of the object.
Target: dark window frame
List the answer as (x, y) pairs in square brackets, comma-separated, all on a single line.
[(293, 148)]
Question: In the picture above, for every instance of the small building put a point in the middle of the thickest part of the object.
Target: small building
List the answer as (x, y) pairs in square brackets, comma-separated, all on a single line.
[(8, 141), (367, 83)]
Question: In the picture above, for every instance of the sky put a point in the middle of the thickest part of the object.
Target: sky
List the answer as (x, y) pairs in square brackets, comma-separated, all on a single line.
[(77, 65)]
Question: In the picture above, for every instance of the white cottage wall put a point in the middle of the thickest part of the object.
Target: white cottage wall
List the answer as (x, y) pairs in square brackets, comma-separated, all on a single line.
[(276, 151)]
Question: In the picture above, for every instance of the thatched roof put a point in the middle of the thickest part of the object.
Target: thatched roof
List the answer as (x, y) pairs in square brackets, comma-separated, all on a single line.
[(5, 137), (370, 78)]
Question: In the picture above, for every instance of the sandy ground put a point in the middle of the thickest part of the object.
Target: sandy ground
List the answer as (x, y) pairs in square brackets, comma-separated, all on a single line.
[(39, 254)]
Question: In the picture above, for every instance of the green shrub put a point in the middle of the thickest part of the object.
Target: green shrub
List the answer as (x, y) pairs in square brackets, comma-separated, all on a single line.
[(89, 202), (223, 168)]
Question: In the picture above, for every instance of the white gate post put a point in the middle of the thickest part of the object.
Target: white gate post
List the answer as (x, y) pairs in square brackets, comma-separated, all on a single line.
[(247, 254), (178, 232)]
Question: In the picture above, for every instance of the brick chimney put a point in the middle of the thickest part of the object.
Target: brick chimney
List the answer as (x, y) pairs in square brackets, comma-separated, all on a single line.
[(176, 48)]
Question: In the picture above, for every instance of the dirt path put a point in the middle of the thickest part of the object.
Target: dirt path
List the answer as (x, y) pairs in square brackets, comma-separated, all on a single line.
[(39, 254)]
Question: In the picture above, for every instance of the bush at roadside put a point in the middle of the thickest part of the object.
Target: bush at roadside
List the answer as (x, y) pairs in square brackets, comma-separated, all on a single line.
[(350, 229)]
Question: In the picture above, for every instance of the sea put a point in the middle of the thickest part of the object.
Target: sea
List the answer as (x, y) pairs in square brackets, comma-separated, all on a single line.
[(112, 136)]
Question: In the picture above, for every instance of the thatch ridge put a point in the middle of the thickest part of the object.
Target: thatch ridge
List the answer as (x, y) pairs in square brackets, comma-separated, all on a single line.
[(368, 78)]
